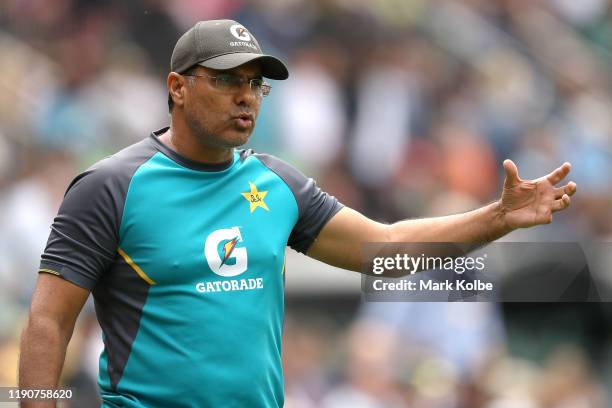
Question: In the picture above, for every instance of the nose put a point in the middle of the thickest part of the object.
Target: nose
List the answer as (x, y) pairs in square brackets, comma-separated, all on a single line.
[(245, 96)]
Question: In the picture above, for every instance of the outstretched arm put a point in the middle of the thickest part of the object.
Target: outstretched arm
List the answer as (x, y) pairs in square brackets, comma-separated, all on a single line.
[(524, 203)]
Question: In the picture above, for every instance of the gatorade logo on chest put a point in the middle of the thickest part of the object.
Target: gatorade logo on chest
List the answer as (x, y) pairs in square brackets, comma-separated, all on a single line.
[(226, 257), (222, 254)]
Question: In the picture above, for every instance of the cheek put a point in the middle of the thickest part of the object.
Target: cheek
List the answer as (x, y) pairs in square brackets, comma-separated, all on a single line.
[(209, 112), (219, 105)]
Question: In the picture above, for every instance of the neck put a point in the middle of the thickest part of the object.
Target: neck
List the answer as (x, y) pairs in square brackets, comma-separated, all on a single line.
[(182, 141)]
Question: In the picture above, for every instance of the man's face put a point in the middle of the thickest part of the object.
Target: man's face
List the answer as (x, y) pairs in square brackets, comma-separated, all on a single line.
[(222, 116)]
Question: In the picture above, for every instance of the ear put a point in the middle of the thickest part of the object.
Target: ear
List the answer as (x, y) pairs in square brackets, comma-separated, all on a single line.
[(176, 88)]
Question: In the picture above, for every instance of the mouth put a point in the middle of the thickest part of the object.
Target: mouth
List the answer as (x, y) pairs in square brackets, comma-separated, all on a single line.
[(244, 120)]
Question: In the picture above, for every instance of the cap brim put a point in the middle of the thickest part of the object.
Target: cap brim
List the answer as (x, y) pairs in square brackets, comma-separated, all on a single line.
[(271, 67)]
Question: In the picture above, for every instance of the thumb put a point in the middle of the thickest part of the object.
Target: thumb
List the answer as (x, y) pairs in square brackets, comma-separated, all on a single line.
[(512, 177)]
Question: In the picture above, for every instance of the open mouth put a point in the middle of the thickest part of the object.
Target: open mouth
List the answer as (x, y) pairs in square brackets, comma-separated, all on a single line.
[(244, 120)]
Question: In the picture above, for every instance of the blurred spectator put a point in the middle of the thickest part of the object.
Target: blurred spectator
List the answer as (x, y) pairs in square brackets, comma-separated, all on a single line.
[(27, 211)]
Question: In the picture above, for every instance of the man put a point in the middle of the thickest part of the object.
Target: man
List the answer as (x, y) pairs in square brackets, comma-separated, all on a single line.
[(181, 240)]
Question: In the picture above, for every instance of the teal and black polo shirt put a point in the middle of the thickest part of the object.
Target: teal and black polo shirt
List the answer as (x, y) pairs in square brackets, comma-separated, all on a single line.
[(186, 265)]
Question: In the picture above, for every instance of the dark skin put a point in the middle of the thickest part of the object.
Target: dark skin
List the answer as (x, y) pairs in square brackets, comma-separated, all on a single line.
[(204, 125)]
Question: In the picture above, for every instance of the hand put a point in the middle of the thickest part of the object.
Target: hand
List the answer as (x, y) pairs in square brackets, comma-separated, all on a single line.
[(525, 203)]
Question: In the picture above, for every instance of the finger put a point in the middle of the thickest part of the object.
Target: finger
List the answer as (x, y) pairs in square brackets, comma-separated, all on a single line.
[(569, 189), (561, 204), (559, 174), (512, 177)]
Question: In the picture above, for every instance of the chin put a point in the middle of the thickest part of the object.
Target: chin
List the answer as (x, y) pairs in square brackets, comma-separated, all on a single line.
[(227, 140), (239, 138)]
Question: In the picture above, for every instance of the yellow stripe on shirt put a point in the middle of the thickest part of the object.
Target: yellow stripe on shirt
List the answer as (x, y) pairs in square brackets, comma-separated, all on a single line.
[(135, 267)]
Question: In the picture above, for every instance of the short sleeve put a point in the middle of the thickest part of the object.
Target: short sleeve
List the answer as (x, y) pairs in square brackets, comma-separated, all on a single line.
[(84, 235), (315, 207)]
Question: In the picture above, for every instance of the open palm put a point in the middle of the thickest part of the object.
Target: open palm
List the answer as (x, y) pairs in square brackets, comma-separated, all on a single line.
[(526, 203)]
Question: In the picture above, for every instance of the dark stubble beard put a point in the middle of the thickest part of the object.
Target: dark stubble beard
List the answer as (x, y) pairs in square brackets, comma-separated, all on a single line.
[(204, 136), (199, 130)]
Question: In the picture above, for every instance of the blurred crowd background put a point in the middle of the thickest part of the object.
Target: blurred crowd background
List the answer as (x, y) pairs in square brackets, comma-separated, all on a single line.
[(400, 108)]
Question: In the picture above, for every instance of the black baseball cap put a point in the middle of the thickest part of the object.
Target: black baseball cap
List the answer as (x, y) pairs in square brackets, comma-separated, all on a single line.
[(221, 45)]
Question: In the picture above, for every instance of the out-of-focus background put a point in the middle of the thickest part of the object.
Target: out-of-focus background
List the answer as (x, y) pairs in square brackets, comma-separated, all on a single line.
[(400, 108)]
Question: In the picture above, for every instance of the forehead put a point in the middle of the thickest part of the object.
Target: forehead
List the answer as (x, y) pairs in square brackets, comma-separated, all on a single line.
[(250, 70)]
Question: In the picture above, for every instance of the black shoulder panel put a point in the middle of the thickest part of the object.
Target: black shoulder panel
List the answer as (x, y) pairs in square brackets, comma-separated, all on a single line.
[(84, 235)]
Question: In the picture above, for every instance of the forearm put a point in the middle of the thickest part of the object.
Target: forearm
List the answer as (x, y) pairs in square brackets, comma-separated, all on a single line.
[(479, 226), (43, 348), (341, 242)]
